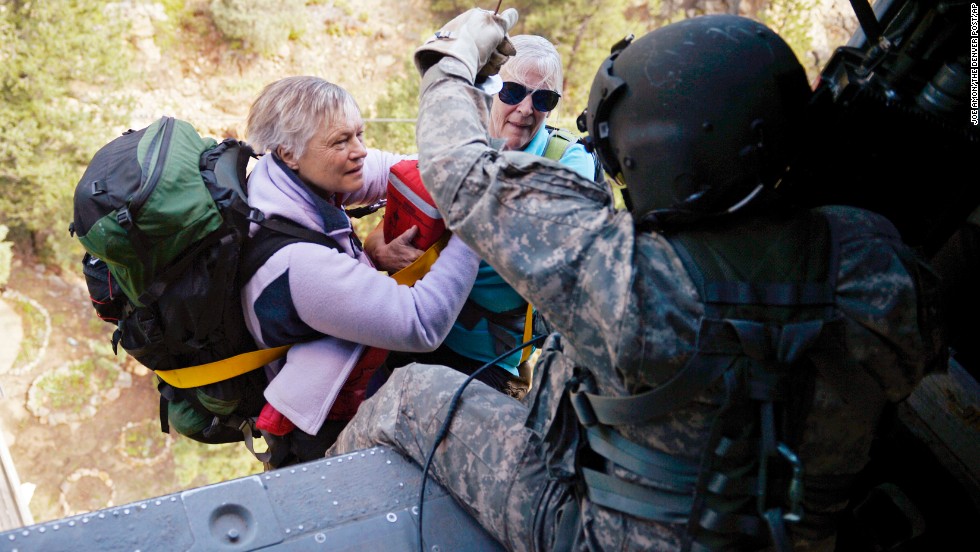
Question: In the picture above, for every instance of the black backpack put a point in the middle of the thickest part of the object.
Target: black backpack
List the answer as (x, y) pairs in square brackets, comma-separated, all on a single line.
[(170, 283)]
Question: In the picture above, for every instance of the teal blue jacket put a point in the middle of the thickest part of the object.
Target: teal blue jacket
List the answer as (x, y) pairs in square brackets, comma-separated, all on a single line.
[(472, 335)]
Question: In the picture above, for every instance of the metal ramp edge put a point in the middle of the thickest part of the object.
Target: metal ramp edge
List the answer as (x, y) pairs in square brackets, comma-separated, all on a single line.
[(365, 500)]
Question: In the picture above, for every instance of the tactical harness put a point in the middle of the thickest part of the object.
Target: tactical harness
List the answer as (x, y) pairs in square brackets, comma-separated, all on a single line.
[(760, 342)]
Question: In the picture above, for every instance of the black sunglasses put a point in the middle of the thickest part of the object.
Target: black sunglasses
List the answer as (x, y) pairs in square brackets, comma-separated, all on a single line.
[(514, 93)]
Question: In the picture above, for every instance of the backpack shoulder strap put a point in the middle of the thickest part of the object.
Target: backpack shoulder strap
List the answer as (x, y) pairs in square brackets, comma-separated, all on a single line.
[(528, 333), (274, 234), (559, 140)]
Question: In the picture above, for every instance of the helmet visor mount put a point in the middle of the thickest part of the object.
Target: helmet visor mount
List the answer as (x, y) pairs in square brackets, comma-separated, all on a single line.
[(606, 88)]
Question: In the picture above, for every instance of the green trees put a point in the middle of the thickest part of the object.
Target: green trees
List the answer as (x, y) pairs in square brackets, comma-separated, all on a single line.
[(581, 30), (60, 65), (258, 26), (398, 102), (65, 91), (584, 30)]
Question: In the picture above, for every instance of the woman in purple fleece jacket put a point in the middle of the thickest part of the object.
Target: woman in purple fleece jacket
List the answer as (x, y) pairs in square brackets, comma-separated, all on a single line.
[(340, 311)]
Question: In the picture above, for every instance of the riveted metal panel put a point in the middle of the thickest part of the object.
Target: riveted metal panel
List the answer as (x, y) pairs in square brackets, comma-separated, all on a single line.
[(365, 500)]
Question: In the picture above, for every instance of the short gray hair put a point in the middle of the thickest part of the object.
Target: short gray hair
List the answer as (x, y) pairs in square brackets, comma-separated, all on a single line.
[(289, 111), (534, 53)]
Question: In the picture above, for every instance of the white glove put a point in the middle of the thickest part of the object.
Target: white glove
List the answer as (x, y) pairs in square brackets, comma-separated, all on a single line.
[(478, 38)]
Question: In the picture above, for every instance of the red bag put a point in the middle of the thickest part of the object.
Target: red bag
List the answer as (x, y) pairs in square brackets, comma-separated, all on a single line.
[(409, 204)]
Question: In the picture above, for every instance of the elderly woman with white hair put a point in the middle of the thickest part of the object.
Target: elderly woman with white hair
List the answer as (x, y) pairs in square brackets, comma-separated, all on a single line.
[(495, 318), (531, 90), (330, 301)]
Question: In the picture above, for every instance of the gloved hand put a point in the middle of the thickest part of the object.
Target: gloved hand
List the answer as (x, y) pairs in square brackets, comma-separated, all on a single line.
[(478, 38), (273, 421)]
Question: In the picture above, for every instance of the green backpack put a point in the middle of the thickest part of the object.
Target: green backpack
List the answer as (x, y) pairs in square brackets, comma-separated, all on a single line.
[(559, 140), (127, 201), (163, 217)]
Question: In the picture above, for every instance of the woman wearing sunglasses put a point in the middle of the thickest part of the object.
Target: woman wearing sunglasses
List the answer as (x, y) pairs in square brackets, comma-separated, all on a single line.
[(531, 91), (494, 317)]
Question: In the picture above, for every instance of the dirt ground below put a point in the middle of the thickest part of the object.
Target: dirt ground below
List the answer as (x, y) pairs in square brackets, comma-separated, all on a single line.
[(95, 441)]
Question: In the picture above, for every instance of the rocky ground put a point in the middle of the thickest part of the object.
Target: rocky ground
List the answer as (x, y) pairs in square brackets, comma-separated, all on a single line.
[(81, 423)]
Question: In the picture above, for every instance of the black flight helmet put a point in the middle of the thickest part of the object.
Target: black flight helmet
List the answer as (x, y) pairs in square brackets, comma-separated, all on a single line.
[(697, 118)]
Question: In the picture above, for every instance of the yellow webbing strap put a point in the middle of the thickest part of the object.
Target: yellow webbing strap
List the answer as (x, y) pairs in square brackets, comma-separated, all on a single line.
[(419, 267), (213, 372), (528, 331), (194, 376)]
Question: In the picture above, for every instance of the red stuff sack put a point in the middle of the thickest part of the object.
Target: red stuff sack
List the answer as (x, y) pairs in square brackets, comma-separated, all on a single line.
[(409, 204)]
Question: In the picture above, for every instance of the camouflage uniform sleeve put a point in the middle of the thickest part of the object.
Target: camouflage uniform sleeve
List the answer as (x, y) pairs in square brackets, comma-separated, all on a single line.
[(553, 235), (890, 299)]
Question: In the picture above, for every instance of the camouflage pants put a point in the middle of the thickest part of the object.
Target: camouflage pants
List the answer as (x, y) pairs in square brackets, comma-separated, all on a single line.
[(490, 462), (485, 461)]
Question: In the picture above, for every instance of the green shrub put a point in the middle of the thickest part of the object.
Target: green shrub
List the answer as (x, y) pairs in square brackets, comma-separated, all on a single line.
[(143, 441), (60, 100), (400, 101), (197, 464), (67, 389), (793, 20), (259, 26), (36, 324)]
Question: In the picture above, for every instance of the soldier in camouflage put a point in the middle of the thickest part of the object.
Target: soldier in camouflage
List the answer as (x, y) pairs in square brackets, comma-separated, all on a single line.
[(697, 119)]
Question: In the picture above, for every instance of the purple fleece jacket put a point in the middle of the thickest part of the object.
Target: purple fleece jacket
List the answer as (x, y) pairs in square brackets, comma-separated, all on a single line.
[(306, 289)]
